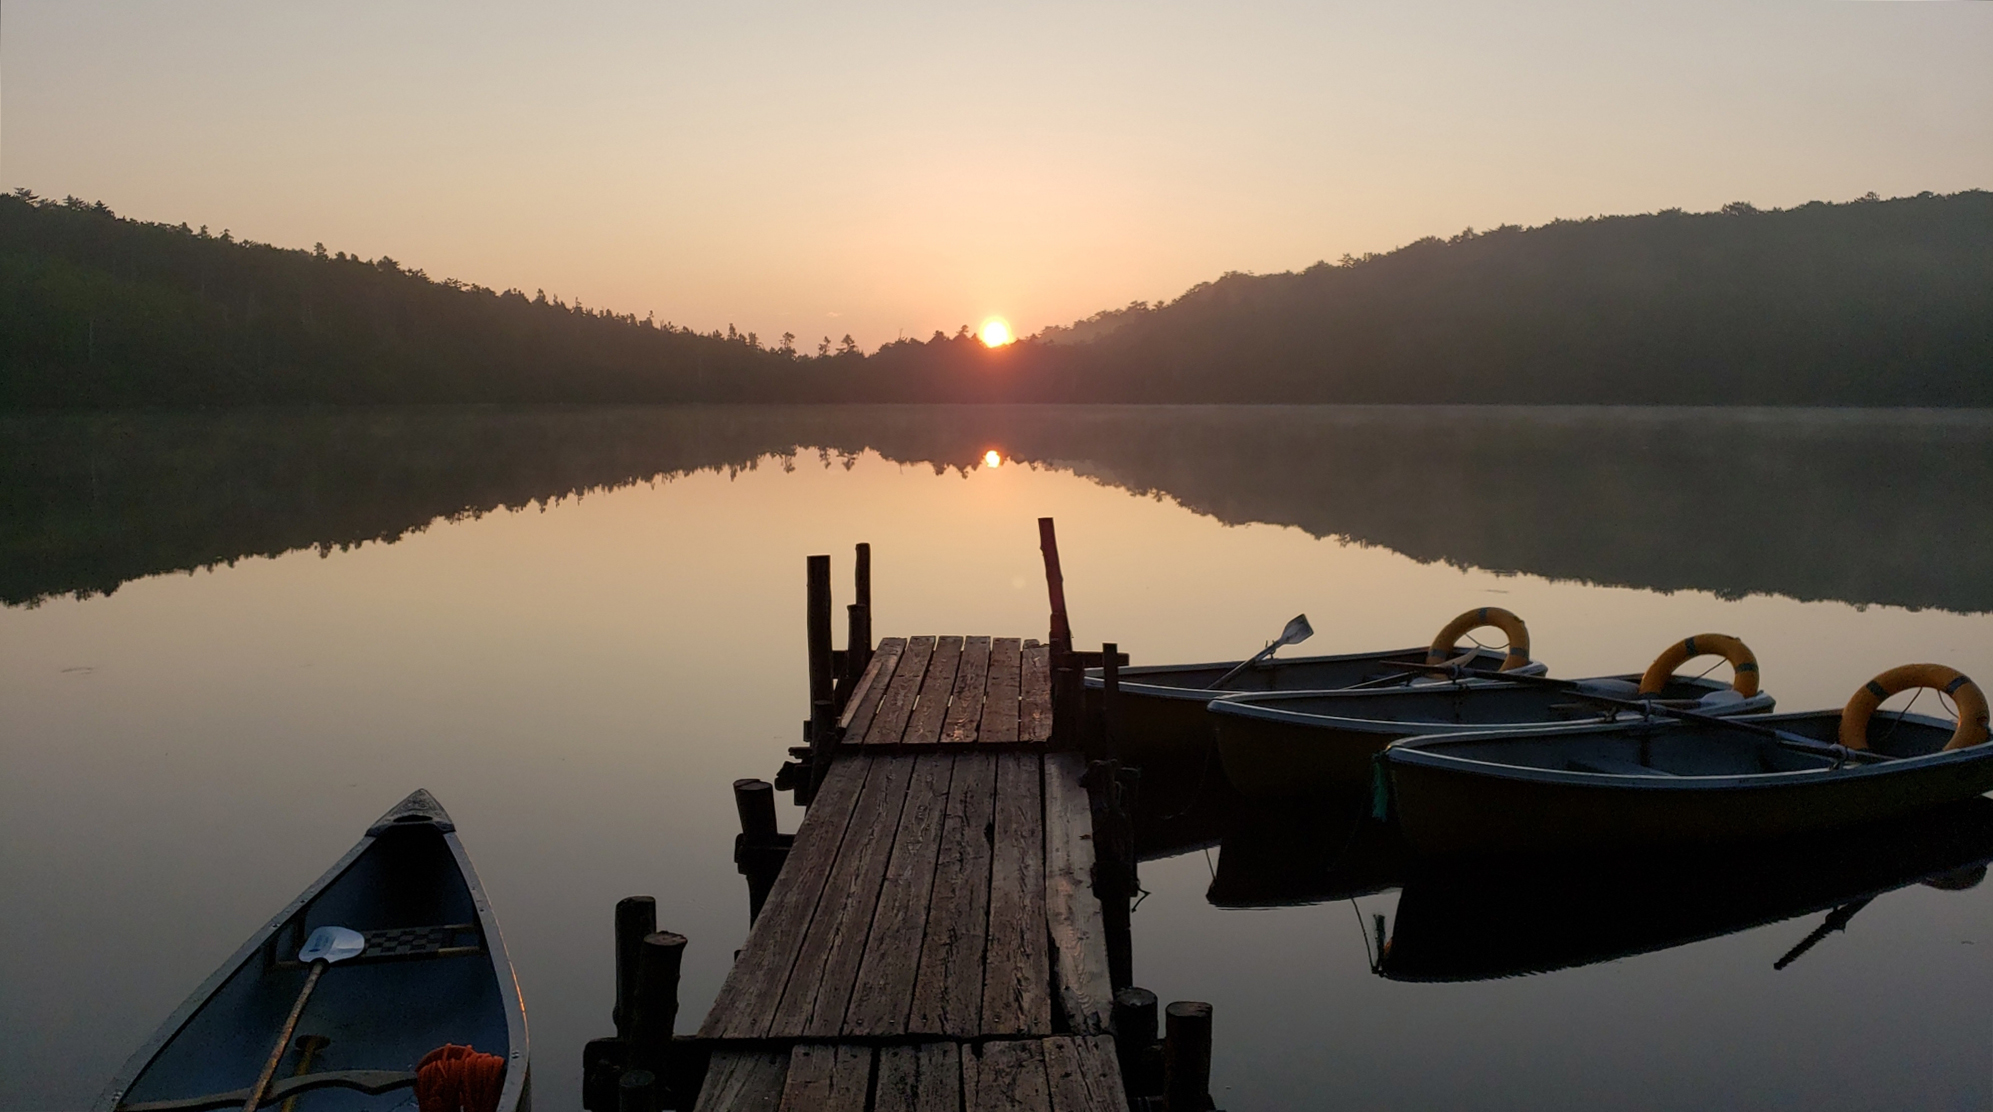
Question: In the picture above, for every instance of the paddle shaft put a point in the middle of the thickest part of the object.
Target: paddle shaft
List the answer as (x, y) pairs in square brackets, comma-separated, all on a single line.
[(1245, 664), (283, 1038), (1789, 741)]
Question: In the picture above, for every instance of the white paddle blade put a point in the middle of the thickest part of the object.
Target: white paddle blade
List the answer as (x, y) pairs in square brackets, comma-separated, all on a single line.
[(332, 944), (1297, 631)]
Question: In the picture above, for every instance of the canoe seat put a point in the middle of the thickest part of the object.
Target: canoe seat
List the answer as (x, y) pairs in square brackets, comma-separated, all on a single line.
[(1613, 767), (366, 1081), (450, 940)]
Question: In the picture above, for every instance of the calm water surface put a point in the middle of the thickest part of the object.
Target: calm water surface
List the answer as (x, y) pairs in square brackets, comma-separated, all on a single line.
[(230, 642)]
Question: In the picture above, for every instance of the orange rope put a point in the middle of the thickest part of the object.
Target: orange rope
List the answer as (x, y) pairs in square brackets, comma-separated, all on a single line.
[(455, 1078)]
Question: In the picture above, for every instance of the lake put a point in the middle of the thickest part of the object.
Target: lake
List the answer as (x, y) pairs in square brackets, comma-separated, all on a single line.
[(231, 640)]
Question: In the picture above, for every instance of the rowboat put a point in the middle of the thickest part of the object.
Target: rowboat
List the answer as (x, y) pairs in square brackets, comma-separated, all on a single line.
[(1293, 744), (1162, 707), (432, 973), (1506, 917), (1668, 782), (1296, 852)]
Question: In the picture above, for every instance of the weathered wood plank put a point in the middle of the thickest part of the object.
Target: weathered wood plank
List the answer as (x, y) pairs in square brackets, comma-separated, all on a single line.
[(1034, 691), (931, 705), (759, 978), (1078, 930), (871, 688), (999, 725), (827, 1078), (1016, 972), (882, 998), (827, 960), (1009, 1078), (924, 1078), (890, 720), (1084, 1074), (744, 1081), (948, 987), (965, 703)]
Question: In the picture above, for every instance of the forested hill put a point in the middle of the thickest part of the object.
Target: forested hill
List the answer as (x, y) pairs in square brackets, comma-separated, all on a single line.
[(1871, 302)]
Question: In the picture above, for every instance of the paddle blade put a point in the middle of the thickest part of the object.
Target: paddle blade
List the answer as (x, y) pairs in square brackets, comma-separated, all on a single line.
[(332, 944), (1297, 631)]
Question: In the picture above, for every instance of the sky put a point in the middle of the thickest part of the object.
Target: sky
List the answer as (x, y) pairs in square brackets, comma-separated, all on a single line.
[(891, 169)]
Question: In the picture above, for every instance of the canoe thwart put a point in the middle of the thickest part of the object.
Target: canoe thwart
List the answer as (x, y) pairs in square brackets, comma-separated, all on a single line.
[(449, 940)]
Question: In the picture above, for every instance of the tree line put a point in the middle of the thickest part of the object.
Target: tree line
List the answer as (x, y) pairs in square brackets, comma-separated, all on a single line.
[(1869, 302)]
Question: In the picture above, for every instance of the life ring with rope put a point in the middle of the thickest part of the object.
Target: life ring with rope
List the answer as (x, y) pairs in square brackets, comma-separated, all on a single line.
[(1743, 662), (1443, 645), (1965, 694)]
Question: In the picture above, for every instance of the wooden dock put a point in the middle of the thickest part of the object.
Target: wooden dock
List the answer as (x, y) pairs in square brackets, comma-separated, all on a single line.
[(933, 941), (944, 932)]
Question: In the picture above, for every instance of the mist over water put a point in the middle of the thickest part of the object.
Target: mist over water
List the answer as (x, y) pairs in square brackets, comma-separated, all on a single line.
[(232, 640)]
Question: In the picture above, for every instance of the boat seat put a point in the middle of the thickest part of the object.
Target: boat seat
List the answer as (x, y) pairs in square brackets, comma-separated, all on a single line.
[(449, 940), (372, 1082), (1612, 766)]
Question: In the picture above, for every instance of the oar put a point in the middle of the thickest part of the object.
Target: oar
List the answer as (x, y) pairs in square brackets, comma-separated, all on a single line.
[(1837, 920), (325, 947), (1791, 741), (1297, 631)]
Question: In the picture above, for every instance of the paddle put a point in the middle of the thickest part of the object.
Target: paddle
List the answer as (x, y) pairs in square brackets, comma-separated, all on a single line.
[(326, 946), (1786, 740), (1297, 631)]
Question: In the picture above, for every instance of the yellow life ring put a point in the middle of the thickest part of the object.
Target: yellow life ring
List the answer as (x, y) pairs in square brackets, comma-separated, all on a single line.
[(1743, 663), (1443, 645), (1970, 700)]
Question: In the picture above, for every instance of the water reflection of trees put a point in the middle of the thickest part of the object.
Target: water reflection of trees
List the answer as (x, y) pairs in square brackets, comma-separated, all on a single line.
[(1867, 507)]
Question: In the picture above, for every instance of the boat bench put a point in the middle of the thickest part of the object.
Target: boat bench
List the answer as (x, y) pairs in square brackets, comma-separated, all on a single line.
[(1614, 767)]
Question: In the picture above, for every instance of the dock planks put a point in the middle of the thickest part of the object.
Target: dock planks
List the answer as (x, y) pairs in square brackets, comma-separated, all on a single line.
[(932, 942)]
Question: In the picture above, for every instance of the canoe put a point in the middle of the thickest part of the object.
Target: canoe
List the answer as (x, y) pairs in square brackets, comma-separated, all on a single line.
[(1306, 743), (1507, 917), (433, 973), (1660, 782), (1162, 706)]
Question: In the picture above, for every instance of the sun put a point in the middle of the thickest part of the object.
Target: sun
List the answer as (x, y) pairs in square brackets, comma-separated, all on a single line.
[(992, 458), (995, 332)]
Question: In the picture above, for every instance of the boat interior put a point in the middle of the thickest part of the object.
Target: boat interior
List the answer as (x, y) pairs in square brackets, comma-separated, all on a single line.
[(1488, 703), (425, 979), (1660, 748), (1301, 673)]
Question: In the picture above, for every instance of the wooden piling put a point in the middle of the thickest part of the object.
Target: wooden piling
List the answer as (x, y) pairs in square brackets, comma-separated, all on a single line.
[(1135, 1041), (1110, 699), (759, 851), (636, 916), (1187, 1056), (817, 623), (1061, 635), (659, 960)]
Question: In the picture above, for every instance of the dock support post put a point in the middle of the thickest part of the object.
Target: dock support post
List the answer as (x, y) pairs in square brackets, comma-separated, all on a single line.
[(1187, 1056), (759, 852), (817, 619), (1110, 699), (1061, 635), (636, 916), (659, 960), (1135, 1041), (1111, 792)]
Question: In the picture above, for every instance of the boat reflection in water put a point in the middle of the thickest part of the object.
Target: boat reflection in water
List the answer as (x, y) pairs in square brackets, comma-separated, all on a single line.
[(1505, 917)]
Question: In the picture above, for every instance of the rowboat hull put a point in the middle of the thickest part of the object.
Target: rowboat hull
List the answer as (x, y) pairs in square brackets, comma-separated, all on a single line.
[(1611, 787), (1297, 744), (1161, 707), (434, 972)]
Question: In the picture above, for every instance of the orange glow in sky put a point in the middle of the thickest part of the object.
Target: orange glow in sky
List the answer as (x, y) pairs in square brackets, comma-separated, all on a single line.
[(995, 332)]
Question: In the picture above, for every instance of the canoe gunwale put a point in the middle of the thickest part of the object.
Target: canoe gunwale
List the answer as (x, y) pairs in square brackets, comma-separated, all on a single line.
[(1130, 680), (1412, 751)]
